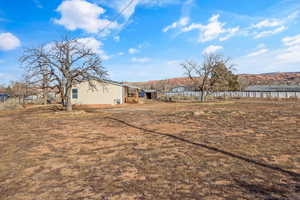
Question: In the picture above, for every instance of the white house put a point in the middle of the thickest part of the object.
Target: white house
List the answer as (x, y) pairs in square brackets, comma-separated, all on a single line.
[(105, 93)]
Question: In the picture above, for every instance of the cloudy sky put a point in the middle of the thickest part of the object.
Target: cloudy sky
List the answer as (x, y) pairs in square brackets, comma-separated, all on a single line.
[(147, 39)]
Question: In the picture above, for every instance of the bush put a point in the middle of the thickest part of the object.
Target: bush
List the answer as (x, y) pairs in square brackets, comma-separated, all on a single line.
[(10, 104)]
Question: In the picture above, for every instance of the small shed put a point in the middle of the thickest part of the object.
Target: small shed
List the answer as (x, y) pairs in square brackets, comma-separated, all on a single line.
[(148, 94)]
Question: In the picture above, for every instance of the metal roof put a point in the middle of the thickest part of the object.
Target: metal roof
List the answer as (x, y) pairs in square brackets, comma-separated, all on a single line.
[(120, 84), (274, 88)]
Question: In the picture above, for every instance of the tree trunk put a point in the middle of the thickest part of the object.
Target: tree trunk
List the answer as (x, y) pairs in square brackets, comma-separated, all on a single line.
[(69, 105), (45, 96), (45, 89), (62, 97), (202, 98), (68, 100)]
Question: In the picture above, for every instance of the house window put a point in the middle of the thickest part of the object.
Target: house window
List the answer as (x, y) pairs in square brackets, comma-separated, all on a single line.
[(74, 93)]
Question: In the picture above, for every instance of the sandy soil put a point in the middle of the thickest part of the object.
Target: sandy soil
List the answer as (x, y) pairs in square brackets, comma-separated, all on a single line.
[(228, 150)]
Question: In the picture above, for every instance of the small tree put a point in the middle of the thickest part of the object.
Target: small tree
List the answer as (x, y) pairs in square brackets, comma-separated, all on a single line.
[(19, 90), (243, 83), (214, 74), (63, 64)]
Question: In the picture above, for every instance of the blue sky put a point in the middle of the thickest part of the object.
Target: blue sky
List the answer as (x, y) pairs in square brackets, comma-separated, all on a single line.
[(150, 38)]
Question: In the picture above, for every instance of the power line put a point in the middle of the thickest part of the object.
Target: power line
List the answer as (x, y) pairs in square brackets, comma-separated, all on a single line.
[(117, 16)]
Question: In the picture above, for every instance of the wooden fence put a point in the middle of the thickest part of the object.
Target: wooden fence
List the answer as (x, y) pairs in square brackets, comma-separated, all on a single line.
[(238, 94)]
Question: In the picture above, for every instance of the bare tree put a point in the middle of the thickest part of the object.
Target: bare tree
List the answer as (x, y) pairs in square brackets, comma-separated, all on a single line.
[(215, 73), (37, 71), (63, 64), (243, 82), (19, 90)]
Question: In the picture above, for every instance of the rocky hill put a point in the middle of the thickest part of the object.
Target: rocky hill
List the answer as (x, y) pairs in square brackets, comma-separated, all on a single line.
[(278, 78)]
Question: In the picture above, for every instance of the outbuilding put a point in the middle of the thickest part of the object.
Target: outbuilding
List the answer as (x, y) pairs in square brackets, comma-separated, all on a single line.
[(148, 94)]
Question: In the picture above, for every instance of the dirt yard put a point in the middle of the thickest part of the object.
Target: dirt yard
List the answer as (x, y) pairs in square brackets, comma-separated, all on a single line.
[(229, 150)]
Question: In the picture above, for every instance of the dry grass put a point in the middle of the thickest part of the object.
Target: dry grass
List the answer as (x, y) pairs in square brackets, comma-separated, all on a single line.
[(10, 105), (232, 150)]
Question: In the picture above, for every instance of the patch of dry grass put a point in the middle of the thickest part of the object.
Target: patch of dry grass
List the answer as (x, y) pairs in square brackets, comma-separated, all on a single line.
[(234, 150)]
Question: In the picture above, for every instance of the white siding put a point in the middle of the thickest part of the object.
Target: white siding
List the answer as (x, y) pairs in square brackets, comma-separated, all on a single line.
[(106, 93)]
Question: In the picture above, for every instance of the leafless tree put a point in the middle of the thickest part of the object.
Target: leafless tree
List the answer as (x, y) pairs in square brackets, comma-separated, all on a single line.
[(37, 71), (215, 73), (63, 64), (19, 90), (243, 82)]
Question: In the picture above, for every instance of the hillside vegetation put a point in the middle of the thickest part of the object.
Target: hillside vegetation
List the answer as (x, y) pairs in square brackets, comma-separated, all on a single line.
[(281, 78)]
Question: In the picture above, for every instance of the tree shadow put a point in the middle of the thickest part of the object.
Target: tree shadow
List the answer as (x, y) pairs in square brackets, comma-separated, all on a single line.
[(266, 192), (265, 165), (270, 192)]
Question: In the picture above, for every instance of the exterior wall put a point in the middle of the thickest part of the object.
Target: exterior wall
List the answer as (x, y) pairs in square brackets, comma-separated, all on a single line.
[(106, 93)]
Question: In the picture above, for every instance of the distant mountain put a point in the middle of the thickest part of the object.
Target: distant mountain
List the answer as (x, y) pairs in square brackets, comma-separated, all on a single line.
[(274, 78)]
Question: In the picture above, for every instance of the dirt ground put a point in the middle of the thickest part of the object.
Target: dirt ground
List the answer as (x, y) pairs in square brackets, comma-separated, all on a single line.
[(238, 149)]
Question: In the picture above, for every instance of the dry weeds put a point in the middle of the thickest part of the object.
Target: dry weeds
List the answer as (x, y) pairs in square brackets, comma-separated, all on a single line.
[(233, 150)]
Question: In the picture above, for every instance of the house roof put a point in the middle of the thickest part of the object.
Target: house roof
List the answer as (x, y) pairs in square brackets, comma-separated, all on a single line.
[(112, 82), (120, 84)]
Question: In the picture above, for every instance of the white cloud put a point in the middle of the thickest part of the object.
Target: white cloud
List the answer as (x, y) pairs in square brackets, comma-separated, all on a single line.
[(8, 41), (140, 60), (231, 33), (258, 52), (193, 26), (80, 14), (94, 45), (120, 5), (131, 5), (275, 22), (294, 40), (268, 23), (286, 58), (180, 23), (268, 27), (270, 32), (213, 30), (133, 51), (211, 49), (291, 55), (121, 54)]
